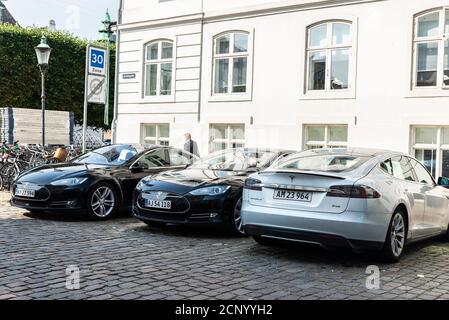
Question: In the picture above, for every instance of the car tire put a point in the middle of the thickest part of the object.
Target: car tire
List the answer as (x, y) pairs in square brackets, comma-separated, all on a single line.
[(263, 241), (235, 219), (445, 236), (155, 224), (102, 202), (396, 238)]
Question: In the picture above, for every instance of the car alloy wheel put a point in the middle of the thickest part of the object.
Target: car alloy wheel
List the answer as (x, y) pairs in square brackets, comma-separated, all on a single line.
[(397, 235), (238, 224), (103, 202), (396, 238)]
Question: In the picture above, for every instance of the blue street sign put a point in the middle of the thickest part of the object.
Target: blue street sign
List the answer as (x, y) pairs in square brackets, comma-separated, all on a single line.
[(97, 61), (97, 58)]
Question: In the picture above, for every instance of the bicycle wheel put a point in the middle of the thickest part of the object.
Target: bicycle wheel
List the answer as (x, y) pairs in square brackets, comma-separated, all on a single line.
[(8, 173)]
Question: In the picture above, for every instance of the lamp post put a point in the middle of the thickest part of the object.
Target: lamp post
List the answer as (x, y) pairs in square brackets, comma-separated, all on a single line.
[(43, 51), (107, 33)]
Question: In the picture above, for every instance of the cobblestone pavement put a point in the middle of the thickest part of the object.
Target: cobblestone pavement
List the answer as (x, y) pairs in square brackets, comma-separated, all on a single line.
[(125, 259)]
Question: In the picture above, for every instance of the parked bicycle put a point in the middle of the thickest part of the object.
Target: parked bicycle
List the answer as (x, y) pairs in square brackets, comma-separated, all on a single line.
[(16, 159)]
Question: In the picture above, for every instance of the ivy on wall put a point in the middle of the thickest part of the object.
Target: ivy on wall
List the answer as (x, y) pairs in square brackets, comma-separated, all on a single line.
[(20, 85)]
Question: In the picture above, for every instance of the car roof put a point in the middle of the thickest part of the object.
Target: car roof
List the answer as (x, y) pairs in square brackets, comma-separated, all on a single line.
[(362, 152), (249, 149), (140, 147)]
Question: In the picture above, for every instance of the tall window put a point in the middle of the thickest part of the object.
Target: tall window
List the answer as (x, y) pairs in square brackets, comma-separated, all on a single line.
[(431, 49), (325, 136), (231, 63), (226, 136), (158, 134), (158, 68), (329, 51), (431, 147)]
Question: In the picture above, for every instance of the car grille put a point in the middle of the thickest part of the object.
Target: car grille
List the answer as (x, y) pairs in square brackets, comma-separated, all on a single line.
[(179, 203), (28, 203)]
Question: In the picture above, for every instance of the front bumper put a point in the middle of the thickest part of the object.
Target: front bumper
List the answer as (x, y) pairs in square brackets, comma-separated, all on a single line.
[(49, 198), (197, 210), (348, 229)]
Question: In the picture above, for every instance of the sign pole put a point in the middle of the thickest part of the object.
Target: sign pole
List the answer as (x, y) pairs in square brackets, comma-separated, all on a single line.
[(85, 98), (106, 106)]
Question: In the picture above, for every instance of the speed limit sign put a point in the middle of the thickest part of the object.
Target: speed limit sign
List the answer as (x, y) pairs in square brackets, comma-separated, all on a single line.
[(97, 61)]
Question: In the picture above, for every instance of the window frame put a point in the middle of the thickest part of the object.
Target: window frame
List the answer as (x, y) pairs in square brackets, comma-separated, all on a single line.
[(326, 143), (440, 39), (158, 62), (227, 140), (328, 48), (231, 56), (439, 147), (158, 139)]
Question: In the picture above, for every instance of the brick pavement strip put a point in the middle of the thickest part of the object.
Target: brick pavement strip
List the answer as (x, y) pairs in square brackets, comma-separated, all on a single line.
[(125, 259)]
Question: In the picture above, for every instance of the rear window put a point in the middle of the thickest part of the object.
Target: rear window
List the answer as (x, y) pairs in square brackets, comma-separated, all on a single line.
[(324, 163)]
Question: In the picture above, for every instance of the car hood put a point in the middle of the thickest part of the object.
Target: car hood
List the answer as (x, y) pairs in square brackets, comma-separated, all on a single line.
[(187, 180), (49, 173)]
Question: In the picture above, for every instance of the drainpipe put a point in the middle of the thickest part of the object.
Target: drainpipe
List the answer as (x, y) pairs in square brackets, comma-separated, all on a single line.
[(117, 63), (201, 63)]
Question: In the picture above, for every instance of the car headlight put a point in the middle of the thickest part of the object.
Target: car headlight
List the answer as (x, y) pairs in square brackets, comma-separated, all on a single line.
[(210, 191), (141, 184), (69, 182)]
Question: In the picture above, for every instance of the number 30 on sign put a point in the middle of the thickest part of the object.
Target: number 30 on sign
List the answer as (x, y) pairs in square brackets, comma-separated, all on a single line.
[(97, 61)]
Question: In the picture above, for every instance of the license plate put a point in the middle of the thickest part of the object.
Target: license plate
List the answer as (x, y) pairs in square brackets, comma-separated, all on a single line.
[(158, 204), (293, 195), (25, 193)]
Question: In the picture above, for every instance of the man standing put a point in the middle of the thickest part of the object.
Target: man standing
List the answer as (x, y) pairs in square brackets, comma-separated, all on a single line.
[(190, 145)]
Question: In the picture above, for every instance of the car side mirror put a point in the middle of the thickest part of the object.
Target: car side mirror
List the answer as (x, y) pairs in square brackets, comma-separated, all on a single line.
[(136, 168), (444, 182)]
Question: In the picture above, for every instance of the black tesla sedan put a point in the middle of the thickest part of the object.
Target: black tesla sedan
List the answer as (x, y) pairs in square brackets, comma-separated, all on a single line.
[(97, 183), (208, 192)]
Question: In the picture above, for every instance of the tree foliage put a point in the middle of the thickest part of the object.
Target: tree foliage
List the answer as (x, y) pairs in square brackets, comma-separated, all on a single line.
[(20, 85)]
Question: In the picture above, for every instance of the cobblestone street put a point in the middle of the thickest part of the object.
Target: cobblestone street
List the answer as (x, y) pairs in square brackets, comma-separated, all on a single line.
[(125, 259)]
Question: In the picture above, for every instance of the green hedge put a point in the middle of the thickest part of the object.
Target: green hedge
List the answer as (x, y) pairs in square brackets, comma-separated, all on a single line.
[(20, 77)]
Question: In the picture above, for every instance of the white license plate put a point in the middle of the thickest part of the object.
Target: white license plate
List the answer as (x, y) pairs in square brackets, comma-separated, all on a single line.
[(293, 195), (25, 193), (158, 204)]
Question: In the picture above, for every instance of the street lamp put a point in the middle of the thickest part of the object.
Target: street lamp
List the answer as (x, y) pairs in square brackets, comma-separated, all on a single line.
[(43, 51), (107, 33)]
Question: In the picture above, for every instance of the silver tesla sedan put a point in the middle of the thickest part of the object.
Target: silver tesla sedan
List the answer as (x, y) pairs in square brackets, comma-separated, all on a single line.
[(356, 198)]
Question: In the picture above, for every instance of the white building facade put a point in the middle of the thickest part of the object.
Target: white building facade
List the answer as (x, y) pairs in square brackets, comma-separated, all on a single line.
[(294, 74)]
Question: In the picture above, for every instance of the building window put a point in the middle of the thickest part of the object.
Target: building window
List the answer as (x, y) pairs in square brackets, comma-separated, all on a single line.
[(431, 49), (230, 69), (325, 136), (158, 68), (329, 52), (431, 147), (226, 136), (158, 134)]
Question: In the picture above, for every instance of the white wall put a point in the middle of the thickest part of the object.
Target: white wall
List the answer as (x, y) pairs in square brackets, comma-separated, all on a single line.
[(381, 99)]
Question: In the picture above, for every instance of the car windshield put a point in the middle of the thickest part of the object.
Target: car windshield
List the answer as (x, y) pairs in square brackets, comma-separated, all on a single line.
[(110, 155), (235, 160), (321, 162)]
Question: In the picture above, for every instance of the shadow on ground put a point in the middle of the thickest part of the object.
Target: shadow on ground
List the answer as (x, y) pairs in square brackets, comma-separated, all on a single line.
[(121, 216), (189, 231)]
